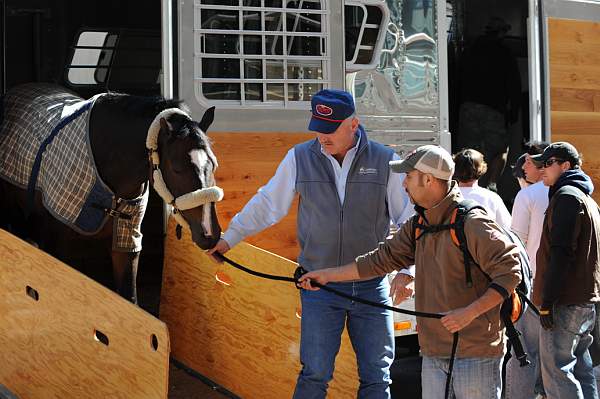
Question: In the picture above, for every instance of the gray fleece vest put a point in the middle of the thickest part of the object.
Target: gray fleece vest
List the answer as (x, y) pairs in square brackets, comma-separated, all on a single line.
[(332, 234)]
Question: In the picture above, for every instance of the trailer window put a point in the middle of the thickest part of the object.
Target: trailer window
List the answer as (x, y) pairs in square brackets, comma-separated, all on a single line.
[(267, 53), (365, 23), (90, 58), (121, 60)]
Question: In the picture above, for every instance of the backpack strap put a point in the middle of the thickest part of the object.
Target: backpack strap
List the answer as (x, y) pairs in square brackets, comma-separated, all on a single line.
[(457, 231), (459, 238), (421, 228)]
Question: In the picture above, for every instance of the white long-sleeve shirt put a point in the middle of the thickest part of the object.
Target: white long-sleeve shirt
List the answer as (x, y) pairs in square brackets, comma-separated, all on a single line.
[(272, 201), (491, 201), (529, 210)]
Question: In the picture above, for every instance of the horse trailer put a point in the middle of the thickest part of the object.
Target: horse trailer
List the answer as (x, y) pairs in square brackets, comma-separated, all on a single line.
[(259, 62)]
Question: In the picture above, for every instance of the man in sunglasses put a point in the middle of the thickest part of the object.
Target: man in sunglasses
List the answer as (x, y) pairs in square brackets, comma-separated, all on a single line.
[(567, 281)]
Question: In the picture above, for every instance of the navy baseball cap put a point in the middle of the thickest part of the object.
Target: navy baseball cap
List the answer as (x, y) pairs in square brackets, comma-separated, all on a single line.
[(561, 150), (330, 107)]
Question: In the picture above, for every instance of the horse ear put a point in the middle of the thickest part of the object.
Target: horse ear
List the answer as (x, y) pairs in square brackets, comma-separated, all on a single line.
[(165, 126), (207, 119)]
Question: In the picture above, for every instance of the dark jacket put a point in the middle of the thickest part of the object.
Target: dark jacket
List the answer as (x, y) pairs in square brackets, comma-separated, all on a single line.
[(568, 264)]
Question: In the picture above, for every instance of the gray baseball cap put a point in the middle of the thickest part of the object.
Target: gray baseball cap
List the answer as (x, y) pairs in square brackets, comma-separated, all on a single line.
[(427, 159)]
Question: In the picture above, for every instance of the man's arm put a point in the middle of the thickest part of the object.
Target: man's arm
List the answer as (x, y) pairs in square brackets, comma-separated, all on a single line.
[(563, 243), (458, 319), (395, 253), (494, 252), (521, 216), (347, 272), (268, 206)]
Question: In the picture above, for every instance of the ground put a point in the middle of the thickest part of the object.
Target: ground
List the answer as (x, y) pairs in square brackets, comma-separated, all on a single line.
[(182, 385)]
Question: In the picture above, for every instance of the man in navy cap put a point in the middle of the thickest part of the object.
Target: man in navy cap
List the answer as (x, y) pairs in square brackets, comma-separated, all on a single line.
[(347, 198), (567, 277)]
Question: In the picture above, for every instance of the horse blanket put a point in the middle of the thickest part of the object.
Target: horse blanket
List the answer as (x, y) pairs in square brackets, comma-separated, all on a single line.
[(44, 145)]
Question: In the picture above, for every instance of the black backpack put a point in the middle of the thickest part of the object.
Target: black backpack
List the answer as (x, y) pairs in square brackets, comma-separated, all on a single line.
[(514, 306)]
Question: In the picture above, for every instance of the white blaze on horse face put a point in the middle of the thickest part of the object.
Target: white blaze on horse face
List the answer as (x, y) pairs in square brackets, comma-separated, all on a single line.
[(206, 219), (200, 158)]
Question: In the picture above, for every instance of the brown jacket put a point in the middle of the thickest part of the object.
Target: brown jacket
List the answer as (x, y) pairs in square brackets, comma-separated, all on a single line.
[(440, 277)]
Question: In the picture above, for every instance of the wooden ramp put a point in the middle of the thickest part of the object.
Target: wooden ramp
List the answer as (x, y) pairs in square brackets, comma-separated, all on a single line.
[(64, 336), (238, 330)]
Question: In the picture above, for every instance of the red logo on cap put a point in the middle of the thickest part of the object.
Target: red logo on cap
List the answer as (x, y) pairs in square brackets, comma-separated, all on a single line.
[(323, 110)]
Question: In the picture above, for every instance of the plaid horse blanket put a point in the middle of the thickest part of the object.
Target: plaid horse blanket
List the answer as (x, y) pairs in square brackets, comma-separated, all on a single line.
[(44, 145)]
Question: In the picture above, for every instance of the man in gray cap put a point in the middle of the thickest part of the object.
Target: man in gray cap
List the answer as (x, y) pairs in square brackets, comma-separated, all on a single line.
[(440, 279), (567, 279)]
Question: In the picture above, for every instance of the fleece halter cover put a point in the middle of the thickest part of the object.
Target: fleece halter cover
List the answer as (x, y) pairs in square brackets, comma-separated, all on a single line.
[(187, 201)]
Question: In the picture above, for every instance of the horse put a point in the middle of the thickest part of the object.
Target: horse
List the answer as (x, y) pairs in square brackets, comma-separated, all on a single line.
[(132, 143)]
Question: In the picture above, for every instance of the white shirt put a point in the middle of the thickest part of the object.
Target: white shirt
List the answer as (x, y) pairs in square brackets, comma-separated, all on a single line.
[(272, 201), (529, 209), (491, 201)]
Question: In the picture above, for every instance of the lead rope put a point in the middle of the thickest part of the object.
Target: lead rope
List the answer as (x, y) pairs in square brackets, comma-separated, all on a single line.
[(300, 271)]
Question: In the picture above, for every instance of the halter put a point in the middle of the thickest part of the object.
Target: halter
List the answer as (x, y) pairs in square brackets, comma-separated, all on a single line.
[(190, 200)]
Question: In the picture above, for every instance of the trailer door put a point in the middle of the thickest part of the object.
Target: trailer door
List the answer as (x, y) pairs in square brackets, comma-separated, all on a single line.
[(570, 76)]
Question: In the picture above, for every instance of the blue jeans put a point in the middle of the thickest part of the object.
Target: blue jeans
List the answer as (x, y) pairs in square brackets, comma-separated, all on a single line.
[(565, 359), (525, 382), (472, 378), (371, 332)]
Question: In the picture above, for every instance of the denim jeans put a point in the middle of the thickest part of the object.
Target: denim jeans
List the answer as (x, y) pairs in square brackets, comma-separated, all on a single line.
[(371, 332), (565, 360), (525, 382), (472, 378)]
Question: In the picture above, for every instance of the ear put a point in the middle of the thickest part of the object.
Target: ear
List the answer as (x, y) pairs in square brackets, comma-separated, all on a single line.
[(207, 119), (429, 179), (165, 126)]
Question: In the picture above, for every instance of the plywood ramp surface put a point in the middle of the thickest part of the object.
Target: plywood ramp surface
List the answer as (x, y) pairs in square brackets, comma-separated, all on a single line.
[(244, 336), (49, 347), (575, 89), (246, 162)]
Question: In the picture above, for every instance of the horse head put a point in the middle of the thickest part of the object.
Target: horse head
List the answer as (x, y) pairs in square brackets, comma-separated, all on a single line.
[(184, 177)]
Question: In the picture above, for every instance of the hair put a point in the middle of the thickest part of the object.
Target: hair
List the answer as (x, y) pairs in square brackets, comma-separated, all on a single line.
[(535, 147), (517, 170), (576, 164), (469, 165)]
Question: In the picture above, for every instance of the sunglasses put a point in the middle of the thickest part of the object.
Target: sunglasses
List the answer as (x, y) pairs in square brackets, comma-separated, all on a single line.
[(550, 162)]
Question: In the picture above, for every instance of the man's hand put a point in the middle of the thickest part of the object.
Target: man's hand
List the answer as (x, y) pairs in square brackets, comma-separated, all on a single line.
[(320, 276), (458, 319), (547, 316), (221, 248), (402, 288)]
